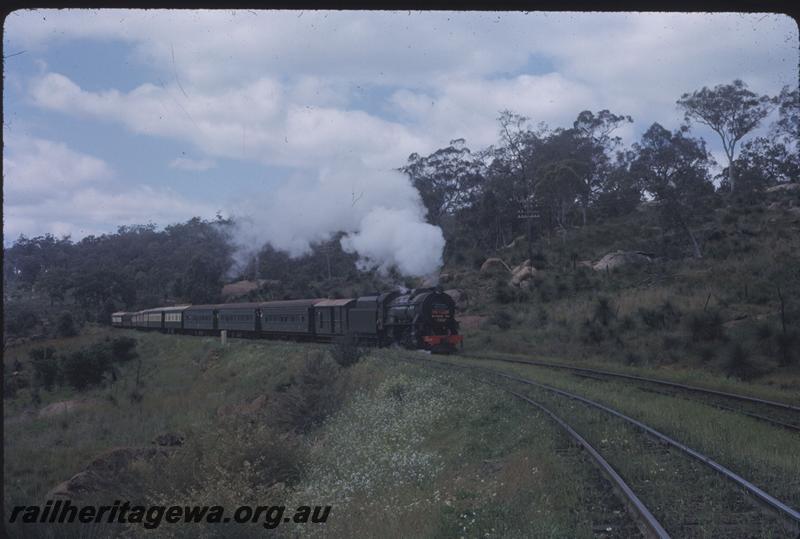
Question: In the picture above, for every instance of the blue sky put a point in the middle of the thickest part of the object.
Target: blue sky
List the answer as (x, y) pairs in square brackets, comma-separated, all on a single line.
[(118, 117)]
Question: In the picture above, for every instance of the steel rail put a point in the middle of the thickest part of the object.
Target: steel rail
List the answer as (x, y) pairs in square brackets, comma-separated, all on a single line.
[(788, 513), (648, 524), (759, 417), (687, 387)]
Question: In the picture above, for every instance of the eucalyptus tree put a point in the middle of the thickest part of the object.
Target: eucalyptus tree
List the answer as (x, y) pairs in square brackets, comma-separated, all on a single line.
[(516, 154), (595, 140), (731, 111), (446, 179), (562, 164), (672, 168), (773, 157)]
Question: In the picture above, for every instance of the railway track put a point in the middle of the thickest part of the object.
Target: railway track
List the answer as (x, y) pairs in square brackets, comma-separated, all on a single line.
[(778, 414), (646, 522), (672, 456)]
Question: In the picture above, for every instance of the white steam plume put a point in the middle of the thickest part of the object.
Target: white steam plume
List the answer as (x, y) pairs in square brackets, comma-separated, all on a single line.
[(380, 212), (396, 238)]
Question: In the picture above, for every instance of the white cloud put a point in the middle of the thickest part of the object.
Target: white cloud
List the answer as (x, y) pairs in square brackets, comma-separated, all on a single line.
[(193, 165), (287, 89), (211, 48), (469, 108), (36, 169), (355, 92), (51, 188), (255, 120)]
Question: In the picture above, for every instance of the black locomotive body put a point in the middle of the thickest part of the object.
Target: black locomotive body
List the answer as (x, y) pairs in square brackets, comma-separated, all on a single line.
[(422, 318)]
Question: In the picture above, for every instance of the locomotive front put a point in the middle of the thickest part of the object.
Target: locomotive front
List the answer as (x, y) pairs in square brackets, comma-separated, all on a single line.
[(424, 318)]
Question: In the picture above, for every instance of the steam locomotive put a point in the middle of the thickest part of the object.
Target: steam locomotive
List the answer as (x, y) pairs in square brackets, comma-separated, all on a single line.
[(422, 318)]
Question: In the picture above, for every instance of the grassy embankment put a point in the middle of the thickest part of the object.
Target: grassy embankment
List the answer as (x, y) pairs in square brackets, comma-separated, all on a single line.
[(721, 314), (397, 449), (767, 455)]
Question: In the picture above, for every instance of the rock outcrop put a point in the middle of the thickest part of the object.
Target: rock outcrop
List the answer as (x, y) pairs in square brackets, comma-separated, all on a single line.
[(522, 274), (68, 406), (459, 296), (243, 409), (494, 265), (516, 241), (169, 439), (784, 187), (102, 474), (622, 258)]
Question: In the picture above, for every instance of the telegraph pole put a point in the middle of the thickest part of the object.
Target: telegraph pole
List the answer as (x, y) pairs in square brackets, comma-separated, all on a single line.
[(529, 213)]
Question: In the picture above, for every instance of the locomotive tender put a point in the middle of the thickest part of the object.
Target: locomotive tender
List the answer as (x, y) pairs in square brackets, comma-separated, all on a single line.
[(421, 318)]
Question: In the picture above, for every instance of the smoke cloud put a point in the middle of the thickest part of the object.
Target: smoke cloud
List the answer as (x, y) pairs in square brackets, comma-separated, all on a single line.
[(379, 211), (396, 238)]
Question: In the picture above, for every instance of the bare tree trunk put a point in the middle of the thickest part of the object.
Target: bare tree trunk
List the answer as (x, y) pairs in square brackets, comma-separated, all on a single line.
[(695, 245), (731, 170), (530, 238), (584, 203)]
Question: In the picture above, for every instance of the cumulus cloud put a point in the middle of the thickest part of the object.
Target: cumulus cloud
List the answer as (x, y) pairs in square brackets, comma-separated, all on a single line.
[(51, 188), (468, 108), (193, 165), (338, 97), (257, 120), (38, 169)]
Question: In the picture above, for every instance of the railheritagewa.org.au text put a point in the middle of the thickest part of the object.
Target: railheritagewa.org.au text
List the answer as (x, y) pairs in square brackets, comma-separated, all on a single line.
[(153, 516)]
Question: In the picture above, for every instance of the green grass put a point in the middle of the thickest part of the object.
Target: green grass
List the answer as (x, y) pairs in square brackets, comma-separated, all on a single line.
[(681, 374), (767, 455), (750, 253), (183, 385), (406, 452)]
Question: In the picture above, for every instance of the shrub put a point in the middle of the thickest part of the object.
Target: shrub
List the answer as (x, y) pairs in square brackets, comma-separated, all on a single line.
[(633, 359), (20, 321), (739, 365), (546, 291), (45, 367), (231, 462), (542, 316), (706, 326), (311, 397), (671, 343), (627, 323), (9, 386), (764, 331), (604, 311), (562, 289), (65, 326), (788, 344), (503, 293), (583, 280), (87, 367), (661, 317), (501, 319), (124, 349), (592, 332), (345, 351), (707, 353)]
